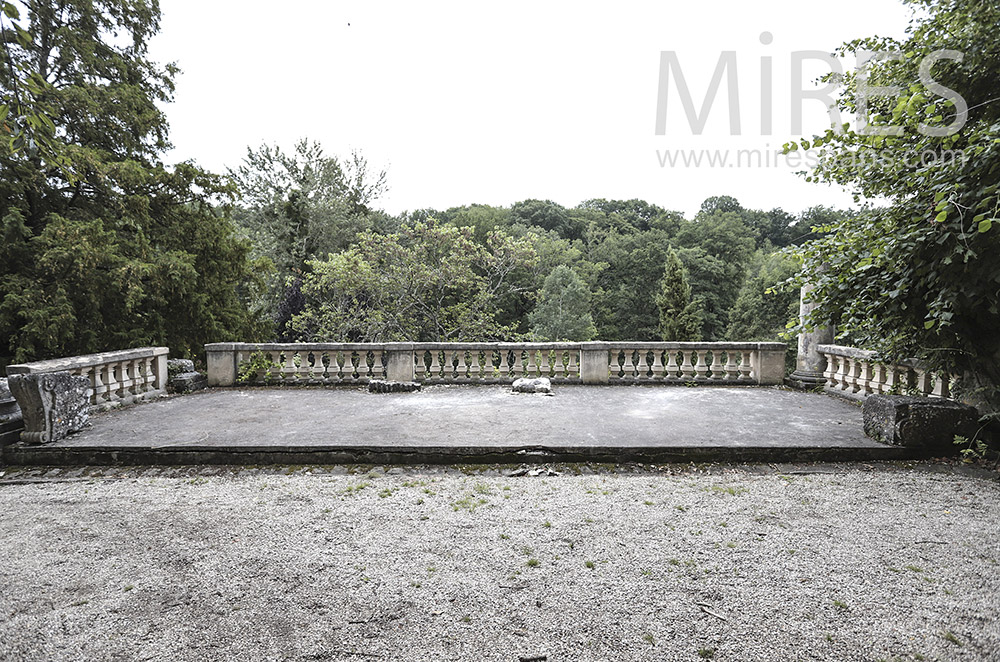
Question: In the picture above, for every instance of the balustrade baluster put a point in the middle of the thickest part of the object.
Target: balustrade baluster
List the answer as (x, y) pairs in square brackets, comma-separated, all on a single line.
[(614, 368), (657, 366), (746, 367), (688, 371), (435, 370), (701, 366), (732, 368), (559, 360), (941, 387), (505, 367), (110, 383), (531, 368)]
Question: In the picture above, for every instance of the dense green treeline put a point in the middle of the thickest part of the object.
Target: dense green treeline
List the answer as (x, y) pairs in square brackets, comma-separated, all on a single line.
[(343, 271)]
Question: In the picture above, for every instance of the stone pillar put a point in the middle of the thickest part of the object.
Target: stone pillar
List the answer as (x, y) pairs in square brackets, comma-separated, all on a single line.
[(160, 370), (810, 364), (399, 361), (594, 362), (768, 363), (221, 362)]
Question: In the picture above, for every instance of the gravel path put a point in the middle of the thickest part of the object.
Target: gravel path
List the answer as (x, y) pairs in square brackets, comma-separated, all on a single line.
[(739, 563)]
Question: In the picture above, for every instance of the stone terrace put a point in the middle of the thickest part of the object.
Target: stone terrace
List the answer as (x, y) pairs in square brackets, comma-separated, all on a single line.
[(470, 424)]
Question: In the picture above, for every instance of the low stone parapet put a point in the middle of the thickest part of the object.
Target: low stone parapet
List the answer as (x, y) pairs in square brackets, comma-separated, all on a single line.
[(759, 363), (119, 377), (857, 374)]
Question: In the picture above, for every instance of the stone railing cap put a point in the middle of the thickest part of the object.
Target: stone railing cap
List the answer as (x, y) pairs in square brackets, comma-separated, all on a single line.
[(86, 361)]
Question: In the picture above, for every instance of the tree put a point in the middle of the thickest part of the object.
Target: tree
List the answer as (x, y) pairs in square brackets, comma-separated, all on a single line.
[(919, 277), (680, 318), (299, 206), (304, 204), (427, 282), (126, 251), (563, 310), (766, 303), (25, 117), (547, 215), (625, 296)]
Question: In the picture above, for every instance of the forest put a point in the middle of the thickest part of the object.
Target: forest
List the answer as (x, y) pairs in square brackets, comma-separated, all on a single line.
[(104, 246)]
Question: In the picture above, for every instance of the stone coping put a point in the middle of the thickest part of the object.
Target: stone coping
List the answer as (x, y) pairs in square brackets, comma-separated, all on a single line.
[(417, 346), (87, 360), (860, 354)]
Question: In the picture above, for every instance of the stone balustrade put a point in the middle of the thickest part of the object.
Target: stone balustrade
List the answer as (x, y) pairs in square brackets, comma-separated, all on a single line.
[(854, 373), (492, 363), (119, 377)]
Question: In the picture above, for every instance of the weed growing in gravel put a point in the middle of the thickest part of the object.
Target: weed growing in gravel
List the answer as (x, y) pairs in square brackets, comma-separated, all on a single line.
[(948, 636), (828, 637), (842, 606), (681, 508), (588, 564), (648, 638), (527, 551), (532, 563), (731, 490), (706, 653), (914, 568), (482, 488), (504, 536), (647, 503), (547, 524), (357, 487), (468, 503), (387, 492)]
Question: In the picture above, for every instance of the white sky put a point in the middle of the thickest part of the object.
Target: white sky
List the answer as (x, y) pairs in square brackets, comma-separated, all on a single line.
[(472, 102)]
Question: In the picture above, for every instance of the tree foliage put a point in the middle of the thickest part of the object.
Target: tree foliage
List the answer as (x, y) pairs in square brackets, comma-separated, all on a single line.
[(125, 251), (563, 310), (426, 282), (766, 303), (680, 318), (920, 277)]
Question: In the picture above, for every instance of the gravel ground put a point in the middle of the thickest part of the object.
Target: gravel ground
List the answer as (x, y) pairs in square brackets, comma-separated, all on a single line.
[(835, 562)]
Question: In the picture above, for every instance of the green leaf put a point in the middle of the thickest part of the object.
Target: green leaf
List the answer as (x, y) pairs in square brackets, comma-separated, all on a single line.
[(941, 205), (941, 217), (929, 323), (985, 225)]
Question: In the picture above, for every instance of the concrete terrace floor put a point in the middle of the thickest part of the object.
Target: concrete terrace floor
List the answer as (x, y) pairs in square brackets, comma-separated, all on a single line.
[(471, 424)]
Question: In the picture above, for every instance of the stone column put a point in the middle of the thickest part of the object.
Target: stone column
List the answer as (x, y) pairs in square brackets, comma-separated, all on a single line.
[(810, 364), (399, 361), (594, 362)]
